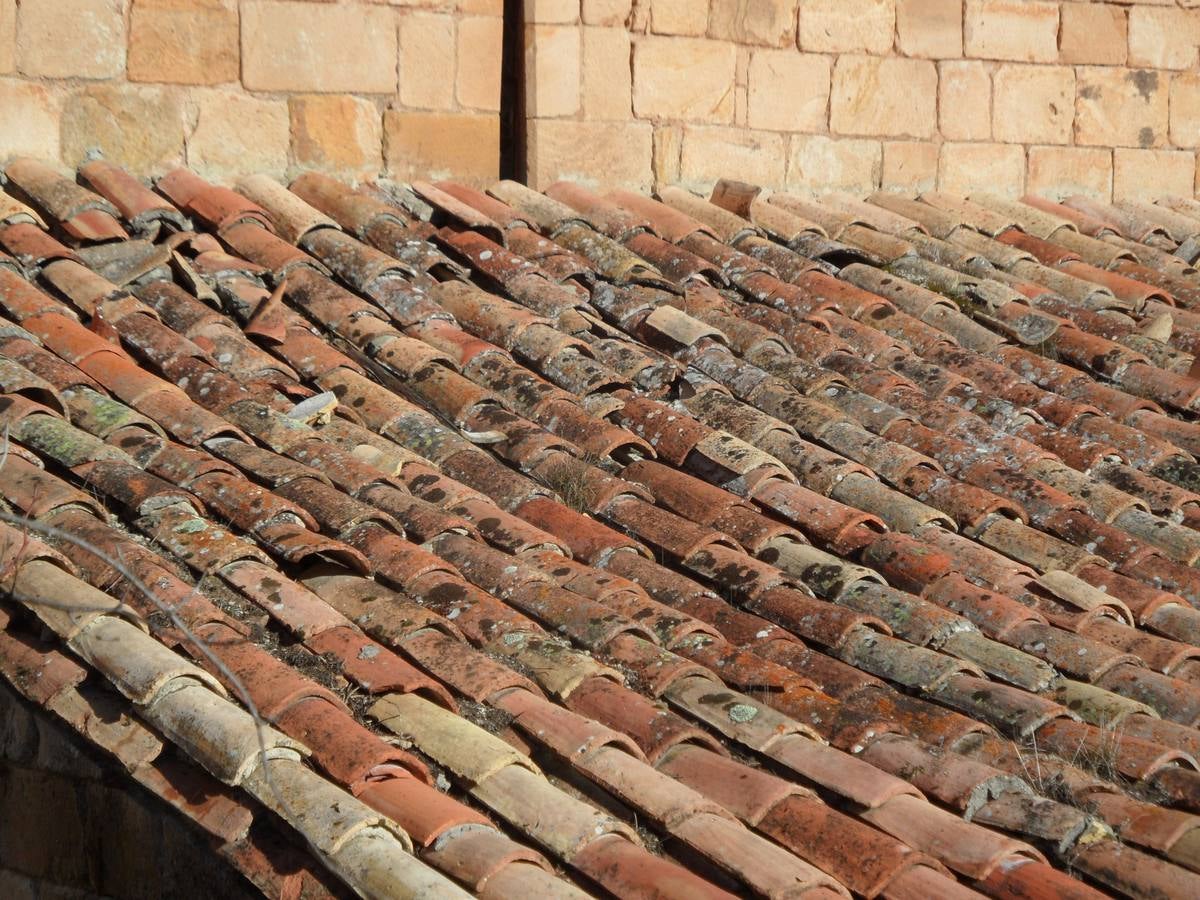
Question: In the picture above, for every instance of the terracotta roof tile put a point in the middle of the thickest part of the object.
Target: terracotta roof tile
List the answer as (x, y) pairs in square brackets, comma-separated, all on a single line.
[(869, 377), (80, 214)]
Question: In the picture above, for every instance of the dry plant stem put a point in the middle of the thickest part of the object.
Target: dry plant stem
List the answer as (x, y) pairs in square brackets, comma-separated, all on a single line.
[(27, 525)]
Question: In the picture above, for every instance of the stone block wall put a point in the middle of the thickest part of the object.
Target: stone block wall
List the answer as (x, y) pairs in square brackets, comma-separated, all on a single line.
[(1094, 96), (73, 826), (1100, 97), (233, 86)]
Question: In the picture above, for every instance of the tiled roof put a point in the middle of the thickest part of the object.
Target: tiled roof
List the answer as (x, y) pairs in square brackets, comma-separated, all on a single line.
[(577, 542)]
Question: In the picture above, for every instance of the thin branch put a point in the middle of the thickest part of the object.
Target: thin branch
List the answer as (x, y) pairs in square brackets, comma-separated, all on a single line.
[(169, 610)]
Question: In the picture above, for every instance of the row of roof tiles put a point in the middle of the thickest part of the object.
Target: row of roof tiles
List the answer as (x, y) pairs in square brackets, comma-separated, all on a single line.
[(840, 546)]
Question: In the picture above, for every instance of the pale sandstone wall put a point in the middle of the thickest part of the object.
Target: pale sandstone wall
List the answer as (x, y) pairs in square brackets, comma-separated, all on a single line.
[(1093, 96), (1099, 97), (232, 86)]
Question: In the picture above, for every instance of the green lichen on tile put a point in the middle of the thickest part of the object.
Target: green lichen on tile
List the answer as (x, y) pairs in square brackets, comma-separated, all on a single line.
[(64, 443), (191, 526), (742, 713), (97, 413)]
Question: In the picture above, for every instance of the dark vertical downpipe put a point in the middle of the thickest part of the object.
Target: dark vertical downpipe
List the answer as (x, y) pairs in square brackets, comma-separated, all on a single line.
[(512, 92)]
